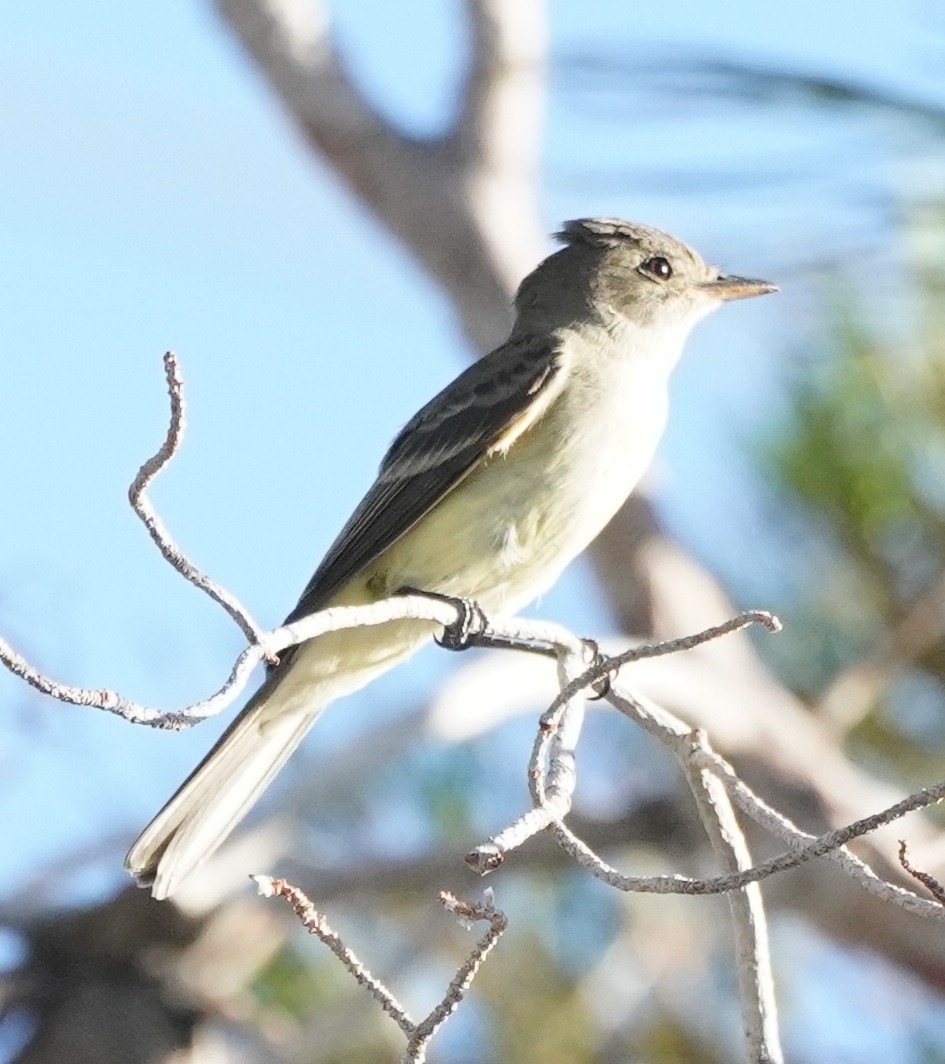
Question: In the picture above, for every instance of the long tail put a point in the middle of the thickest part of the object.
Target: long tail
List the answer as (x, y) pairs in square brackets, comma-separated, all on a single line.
[(218, 793), (223, 787)]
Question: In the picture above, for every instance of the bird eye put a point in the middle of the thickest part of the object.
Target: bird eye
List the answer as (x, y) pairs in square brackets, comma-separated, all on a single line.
[(657, 268)]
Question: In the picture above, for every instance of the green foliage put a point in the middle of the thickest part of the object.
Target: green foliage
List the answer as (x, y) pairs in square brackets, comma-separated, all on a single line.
[(294, 985), (863, 452), (664, 1042), (866, 452)]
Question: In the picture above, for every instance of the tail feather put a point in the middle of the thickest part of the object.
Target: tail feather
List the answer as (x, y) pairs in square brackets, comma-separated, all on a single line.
[(220, 791), (217, 794)]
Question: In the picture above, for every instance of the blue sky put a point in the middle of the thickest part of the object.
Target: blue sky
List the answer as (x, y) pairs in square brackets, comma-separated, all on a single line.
[(152, 196)]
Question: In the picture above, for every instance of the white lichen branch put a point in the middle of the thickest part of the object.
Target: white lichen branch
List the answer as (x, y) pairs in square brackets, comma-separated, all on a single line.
[(405, 607), (692, 750), (551, 767), (141, 504), (750, 927)]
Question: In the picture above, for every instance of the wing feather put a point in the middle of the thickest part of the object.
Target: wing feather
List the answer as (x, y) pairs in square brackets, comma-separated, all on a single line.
[(483, 410)]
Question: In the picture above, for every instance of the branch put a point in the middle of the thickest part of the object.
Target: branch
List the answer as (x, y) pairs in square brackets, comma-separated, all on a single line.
[(752, 951), (551, 792), (337, 618), (141, 505), (930, 883), (832, 843), (418, 1034), (464, 911), (560, 725), (692, 749)]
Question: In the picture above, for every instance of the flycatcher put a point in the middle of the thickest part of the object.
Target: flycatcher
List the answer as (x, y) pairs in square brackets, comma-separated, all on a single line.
[(487, 494)]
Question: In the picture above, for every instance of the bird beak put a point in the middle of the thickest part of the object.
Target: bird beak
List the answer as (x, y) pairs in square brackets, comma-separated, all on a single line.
[(728, 287)]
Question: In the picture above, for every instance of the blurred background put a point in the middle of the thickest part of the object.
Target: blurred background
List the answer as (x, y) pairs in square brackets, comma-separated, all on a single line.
[(156, 192)]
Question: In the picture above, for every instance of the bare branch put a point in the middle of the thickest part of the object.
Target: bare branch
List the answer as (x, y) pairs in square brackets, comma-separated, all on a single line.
[(752, 951), (930, 883), (418, 1034), (465, 911), (560, 727), (141, 505), (608, 666), (800, 840), (404, 607), (551, 795), (316, 924), (821, 846), (805, 847)]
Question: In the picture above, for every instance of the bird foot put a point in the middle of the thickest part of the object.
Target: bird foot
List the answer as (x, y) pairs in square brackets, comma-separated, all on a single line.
[(470, 623), (601, 686)]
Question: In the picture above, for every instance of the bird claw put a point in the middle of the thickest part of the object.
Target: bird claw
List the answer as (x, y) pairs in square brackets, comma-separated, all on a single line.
[(470, 621), (602, 686)]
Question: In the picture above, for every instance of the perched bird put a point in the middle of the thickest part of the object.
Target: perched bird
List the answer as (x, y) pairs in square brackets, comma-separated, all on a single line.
[(487, 494)]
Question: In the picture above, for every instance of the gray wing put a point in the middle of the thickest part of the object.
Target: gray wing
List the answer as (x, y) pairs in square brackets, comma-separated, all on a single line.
[(481, 411)]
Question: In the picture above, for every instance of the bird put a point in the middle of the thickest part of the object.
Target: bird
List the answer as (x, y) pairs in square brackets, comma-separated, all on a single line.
[(486, 495)]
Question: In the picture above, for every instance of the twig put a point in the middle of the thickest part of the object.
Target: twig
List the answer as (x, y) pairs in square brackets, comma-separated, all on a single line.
[(464, 911), (799, 840), (821, 846), (805, 847), (141, 505), (419, 1033), (931, 884), (608, 666), (752, 951), (551, 799), (552, 793), (400, 607), (316, 924)]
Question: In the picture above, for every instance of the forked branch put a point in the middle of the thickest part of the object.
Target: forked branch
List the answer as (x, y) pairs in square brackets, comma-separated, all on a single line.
[(418, 1033)]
